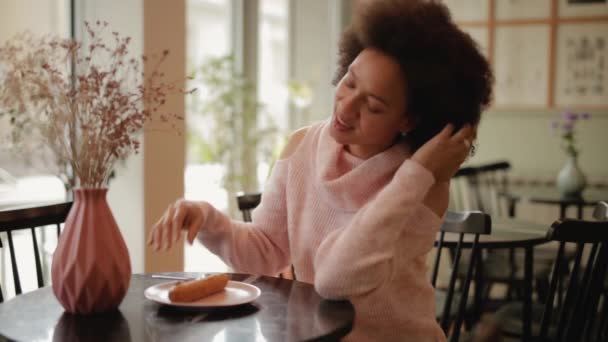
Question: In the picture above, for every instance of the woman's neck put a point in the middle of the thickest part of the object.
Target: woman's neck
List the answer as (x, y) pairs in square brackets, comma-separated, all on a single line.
[(365, 152)]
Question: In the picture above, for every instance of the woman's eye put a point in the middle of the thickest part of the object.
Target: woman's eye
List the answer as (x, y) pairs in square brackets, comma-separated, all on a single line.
[(374, 109)]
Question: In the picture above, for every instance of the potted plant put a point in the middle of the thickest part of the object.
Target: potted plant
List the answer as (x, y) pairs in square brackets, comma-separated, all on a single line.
[(571, 181), (237, 131)]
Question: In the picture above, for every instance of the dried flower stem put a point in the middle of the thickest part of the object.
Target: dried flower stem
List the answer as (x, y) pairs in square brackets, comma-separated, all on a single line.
[(89, 101)]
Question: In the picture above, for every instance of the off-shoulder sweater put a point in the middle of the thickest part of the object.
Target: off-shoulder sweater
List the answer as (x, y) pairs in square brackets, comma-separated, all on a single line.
[(356, 229)]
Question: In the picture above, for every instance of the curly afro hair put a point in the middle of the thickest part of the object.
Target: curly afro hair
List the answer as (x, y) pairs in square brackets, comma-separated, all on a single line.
[(447, 79)]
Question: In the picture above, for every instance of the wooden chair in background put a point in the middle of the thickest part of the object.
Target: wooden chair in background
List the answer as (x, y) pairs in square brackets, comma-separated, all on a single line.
[(478, 188), (247, 202), (578, 315), (470, 223), (23, 219)]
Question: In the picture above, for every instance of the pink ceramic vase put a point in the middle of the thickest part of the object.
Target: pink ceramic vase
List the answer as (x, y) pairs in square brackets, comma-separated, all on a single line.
[(91, 267)]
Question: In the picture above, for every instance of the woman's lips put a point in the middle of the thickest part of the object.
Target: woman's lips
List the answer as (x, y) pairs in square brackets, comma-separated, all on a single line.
[(340, 125)]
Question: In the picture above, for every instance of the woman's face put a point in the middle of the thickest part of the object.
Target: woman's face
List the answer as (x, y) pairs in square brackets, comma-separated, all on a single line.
[(369, 109)]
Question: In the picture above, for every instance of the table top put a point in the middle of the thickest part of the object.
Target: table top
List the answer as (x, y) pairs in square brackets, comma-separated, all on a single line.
[(506, 233), (286, 311), (550, 195)]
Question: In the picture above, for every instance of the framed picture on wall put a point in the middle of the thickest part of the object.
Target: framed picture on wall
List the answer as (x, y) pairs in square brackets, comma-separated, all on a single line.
[(520, 66), (577, 8), (468, 10), (522, 9), (586, 1), (545, 53), (582, 65)]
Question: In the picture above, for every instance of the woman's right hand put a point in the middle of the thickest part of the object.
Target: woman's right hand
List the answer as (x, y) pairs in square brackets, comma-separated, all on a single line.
[(181, 215)]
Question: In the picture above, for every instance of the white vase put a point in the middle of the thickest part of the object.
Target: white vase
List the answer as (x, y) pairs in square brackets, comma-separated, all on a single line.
[(571, 181)]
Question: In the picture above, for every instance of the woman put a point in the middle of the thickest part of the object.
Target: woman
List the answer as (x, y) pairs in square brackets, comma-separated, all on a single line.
[(354, 203)]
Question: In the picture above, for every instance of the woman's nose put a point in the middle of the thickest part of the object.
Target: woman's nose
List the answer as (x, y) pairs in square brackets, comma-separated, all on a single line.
[(349, 108)]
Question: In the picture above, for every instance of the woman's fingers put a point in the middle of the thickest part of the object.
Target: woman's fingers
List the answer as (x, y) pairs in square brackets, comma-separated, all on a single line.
[(194, 227), (178, 221), (463, 139), (465, 132), (178, 216), (446, 132), (163, 237), (156, 233), (151, 239)]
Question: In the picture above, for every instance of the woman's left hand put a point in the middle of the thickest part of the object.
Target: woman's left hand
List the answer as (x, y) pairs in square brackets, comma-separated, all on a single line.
[(445, 152)]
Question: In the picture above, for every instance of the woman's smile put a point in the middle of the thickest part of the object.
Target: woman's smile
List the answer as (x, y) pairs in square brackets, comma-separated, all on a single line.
[(340, 125)]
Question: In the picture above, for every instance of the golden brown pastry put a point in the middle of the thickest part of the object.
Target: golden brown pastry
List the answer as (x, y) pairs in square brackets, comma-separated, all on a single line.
[(192, 290)]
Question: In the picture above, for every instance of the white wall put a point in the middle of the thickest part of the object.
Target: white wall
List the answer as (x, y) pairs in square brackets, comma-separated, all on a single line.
[(125, 194), (312, 52), (48, 17), (527, 141)]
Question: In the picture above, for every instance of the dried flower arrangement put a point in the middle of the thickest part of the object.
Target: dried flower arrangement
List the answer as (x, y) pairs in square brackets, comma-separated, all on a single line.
[(89, 101)]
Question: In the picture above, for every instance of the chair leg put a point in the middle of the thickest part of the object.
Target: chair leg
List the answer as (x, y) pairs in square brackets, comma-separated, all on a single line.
[(15, 269), (601, 330), (542, 286), (480, 294)]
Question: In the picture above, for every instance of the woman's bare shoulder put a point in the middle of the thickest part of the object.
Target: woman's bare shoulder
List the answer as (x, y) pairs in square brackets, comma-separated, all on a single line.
[(293, 142)]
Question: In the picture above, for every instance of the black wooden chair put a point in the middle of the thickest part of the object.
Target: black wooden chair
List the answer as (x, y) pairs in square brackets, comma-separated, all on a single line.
[(601, 214), (16, 220), (247, 202), (601, 211), (479, 188), (577, 315), (464, 224)]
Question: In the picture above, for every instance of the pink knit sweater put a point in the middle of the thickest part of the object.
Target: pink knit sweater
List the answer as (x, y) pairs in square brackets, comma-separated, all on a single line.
[(356, 229)]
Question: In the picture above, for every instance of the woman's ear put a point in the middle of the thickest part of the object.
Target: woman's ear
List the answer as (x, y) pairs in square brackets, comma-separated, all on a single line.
[(407, 124)]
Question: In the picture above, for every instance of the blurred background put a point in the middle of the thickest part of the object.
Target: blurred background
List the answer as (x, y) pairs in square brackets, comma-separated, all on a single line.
[(549, 56)]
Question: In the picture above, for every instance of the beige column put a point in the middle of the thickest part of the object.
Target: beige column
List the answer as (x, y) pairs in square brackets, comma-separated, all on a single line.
[(164, 150)]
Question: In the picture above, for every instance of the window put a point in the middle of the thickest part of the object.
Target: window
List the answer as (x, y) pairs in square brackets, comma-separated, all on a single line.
[(273, 59), (23, 183), (209, 35)]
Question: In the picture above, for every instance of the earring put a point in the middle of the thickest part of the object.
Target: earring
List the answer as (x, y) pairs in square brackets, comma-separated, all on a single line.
[(473, 149)]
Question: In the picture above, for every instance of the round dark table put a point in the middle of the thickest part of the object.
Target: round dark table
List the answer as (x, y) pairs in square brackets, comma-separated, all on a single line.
[(286, 311), (509, 234), (544, 194)]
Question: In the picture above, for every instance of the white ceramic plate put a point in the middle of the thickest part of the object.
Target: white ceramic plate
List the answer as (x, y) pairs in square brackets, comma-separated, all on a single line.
[(235, 293)]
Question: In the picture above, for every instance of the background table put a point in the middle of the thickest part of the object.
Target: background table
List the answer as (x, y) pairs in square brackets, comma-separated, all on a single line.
[(286, 311), (550, 195), (508, 234)]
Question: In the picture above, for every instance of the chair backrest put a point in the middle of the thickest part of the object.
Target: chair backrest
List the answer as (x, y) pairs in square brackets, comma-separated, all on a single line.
[(247, 202), (462, 196), (473, 223), (493, 178), (478, 187), (601, 211), (30, 218), (577, 313)]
